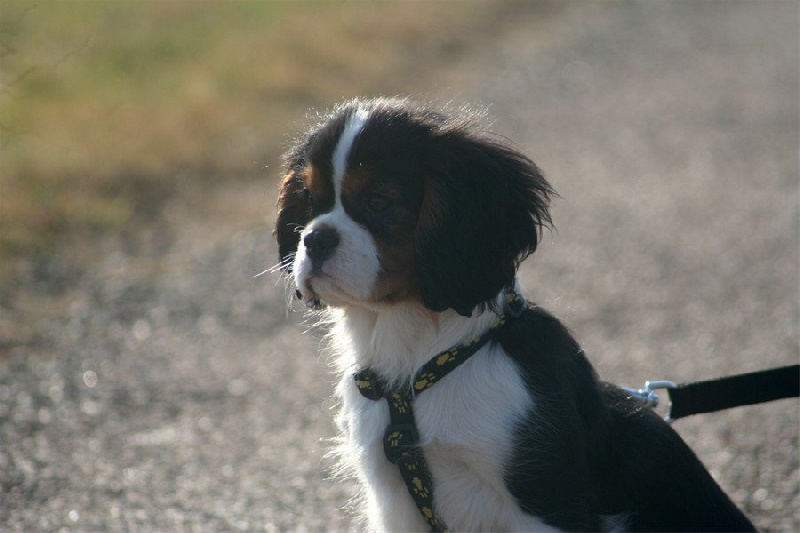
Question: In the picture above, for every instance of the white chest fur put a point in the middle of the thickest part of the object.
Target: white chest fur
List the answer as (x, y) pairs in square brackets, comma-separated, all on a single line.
[(466, 423)]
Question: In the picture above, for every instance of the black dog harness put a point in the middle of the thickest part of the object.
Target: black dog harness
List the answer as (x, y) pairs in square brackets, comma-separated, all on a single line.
[(401, 440)]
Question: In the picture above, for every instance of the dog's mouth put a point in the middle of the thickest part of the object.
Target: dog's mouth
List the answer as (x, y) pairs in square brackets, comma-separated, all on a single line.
[(308, 296), (306, 293), (319, 288)]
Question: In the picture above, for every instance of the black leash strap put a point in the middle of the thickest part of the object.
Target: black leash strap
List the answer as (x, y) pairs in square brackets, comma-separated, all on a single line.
[(734, 391)]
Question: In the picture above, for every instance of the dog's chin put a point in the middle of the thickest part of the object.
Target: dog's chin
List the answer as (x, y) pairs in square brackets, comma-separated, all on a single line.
[(321, 289), (316, 290)]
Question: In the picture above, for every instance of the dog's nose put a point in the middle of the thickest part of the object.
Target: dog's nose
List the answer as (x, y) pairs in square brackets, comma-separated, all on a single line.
[(320, 244)]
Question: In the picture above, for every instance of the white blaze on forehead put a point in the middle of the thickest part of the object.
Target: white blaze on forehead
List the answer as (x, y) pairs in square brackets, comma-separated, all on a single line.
[(351, 273), (353, 126)]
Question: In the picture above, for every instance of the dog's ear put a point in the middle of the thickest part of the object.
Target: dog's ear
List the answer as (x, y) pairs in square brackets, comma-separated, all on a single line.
[(294, 212), (483, 211)]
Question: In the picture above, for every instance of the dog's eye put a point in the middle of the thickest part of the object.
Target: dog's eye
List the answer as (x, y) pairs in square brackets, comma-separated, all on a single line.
[(378, 203)]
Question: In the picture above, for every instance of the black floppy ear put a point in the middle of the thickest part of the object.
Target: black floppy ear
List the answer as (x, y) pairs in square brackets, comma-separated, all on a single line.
[(294, 212), (482, 213)]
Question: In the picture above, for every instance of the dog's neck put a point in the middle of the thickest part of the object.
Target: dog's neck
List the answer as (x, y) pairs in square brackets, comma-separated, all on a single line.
[(395, 341)]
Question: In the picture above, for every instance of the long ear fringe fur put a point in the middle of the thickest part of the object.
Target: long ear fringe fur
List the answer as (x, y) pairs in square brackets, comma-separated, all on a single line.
[(484, 212)]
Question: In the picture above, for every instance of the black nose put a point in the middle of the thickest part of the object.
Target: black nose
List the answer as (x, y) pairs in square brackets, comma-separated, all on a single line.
[(320, 244)]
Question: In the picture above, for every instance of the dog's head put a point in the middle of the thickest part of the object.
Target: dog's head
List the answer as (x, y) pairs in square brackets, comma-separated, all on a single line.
[(385, 202)]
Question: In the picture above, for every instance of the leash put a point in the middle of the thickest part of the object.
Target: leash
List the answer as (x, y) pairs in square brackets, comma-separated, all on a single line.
[(723, 393), (401, 439)]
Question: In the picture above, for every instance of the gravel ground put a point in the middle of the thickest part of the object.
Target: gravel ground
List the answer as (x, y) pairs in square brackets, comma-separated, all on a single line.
[(164, 388)]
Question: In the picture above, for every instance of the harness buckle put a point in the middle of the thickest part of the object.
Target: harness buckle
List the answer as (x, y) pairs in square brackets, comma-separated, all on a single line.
[(400, 442)]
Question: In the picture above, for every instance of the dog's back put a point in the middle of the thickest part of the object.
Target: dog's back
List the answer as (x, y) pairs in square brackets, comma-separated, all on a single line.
[(604, 458), (680, 494)]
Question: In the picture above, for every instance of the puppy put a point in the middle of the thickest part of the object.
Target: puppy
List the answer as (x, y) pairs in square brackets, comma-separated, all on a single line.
[(407, 227)]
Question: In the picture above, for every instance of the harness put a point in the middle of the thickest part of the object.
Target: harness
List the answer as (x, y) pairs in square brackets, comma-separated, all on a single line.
[(401, 440)]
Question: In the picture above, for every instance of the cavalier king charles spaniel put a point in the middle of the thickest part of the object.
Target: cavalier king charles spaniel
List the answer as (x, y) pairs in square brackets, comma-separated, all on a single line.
[(461, 406)]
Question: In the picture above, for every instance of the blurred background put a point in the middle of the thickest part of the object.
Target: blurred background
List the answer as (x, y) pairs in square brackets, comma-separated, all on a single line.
[(150, 381)]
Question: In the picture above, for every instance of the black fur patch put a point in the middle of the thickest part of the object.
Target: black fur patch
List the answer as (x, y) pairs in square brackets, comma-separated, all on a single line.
[(590, 450)]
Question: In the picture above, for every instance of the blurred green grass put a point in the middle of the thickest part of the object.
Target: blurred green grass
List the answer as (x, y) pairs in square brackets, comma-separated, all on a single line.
[(104, 102)]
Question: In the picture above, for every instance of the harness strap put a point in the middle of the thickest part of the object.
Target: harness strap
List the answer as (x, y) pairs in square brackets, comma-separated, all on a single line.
[(401, 443), (734, 391), (401, 440)]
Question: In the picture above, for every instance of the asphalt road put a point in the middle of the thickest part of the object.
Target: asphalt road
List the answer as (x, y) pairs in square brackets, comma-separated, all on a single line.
[(168, 389)]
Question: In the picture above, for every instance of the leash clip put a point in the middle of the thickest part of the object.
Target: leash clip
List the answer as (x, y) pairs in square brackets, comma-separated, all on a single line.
[(650, 397)]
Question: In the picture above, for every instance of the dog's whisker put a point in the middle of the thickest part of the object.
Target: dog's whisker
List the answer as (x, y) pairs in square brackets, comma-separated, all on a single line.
[(278, 267), (267, 271), (295, 227)]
